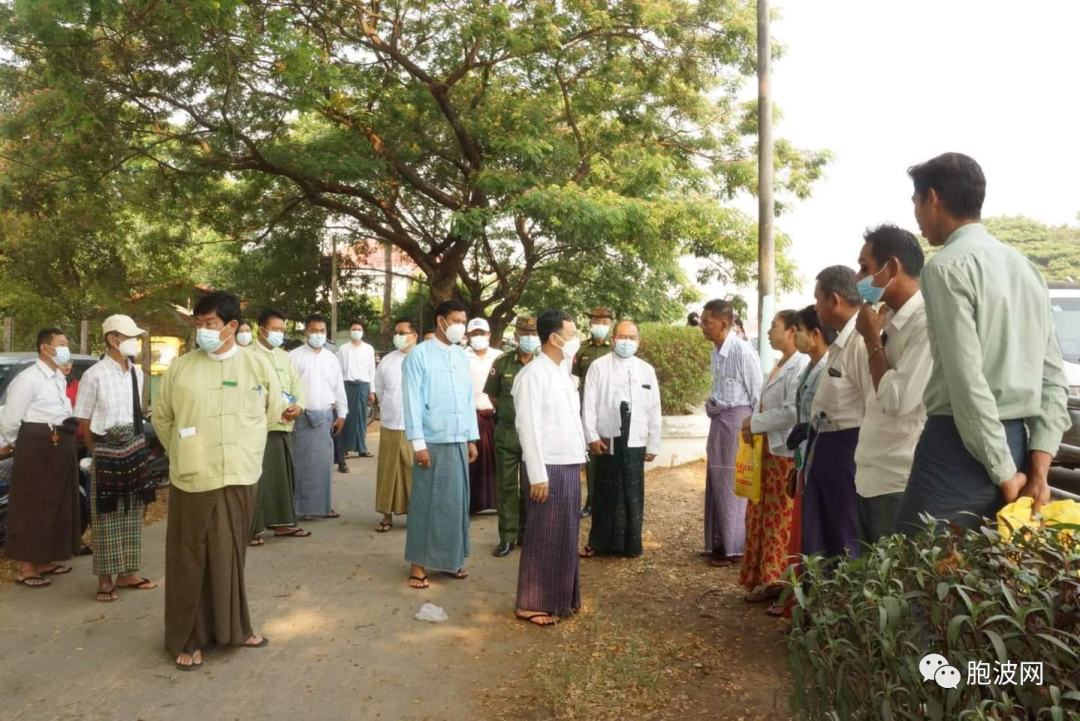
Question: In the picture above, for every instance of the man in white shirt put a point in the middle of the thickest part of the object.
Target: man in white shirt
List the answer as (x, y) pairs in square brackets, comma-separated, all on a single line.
[(358, 368), (900, 363), (43, 503), (109, 410), (622, 427), (393, 480), (548, 422), (482, 473), (830, 516), (313, 436)]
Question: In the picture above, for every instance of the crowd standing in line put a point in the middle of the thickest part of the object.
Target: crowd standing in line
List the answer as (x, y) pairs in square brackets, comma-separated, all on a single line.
[(909, 387)]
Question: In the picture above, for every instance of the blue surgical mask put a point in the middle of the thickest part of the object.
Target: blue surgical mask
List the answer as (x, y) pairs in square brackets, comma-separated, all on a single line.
[(209, 340), (599, 332), (316, 340), (356, 335), (244, 338), (626, 348), (62, 356), (529, 343), (275, 338), (868, 291), (401, 341)]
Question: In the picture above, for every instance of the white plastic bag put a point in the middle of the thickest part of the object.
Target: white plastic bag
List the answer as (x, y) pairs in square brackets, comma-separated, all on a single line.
[(431, 612)]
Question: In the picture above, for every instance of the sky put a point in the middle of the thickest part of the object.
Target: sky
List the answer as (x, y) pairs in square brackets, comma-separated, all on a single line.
[(885, 84)]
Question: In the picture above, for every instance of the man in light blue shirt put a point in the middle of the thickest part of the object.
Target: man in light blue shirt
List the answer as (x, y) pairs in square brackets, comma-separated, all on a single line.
[(440, 420), (735, 393)]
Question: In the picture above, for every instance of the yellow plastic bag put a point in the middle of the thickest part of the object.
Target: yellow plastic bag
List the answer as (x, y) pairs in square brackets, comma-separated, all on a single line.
[(748, 469), (1018, 514)]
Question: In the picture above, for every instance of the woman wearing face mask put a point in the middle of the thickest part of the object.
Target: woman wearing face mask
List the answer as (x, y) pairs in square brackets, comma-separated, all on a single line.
[(243, 334), (768, 522), (482, 473)]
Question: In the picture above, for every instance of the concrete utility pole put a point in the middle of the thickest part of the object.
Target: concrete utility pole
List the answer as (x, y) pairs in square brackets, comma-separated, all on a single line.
[(333, 293), (388, 294), (766, 209)]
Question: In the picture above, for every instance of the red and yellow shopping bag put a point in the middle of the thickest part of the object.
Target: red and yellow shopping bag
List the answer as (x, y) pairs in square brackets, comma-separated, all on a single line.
[(748, 469)]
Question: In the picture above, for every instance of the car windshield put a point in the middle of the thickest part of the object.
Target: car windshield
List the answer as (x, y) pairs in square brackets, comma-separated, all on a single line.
[(1067, 324)]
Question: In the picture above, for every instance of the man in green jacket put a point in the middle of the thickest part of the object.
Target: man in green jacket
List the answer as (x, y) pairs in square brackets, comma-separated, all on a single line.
[(600, 320)]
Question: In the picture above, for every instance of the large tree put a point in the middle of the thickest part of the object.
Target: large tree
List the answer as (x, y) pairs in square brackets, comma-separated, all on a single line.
[(484, 139)]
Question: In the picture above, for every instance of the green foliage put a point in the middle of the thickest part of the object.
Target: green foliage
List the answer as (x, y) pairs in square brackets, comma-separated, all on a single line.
[(860, 627), (680, 355), (1055, 249)]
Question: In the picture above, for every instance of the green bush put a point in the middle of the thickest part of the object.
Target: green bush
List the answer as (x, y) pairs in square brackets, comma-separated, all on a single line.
[(680, 355), (860, 628)]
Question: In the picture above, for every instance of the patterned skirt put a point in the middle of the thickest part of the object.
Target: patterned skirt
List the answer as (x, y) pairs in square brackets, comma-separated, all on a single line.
[(768, 526)]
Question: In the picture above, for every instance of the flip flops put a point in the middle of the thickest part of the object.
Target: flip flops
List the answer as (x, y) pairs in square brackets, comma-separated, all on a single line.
[(293, 533), (140, 586), (261, 644), (532, 618), (107, 595), (57, 570), (421, 579), (192, 666), (44, 581)]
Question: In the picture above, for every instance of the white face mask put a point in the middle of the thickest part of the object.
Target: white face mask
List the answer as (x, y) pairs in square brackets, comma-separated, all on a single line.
[(244, 338), (599, 332), (129, 348), (356, 334), (454, 333), (401, 341), (480, 342), (570, 348), (316, 340)]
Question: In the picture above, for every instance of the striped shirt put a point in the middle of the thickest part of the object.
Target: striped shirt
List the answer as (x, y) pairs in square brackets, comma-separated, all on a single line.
[(736, 374), (105, 395)]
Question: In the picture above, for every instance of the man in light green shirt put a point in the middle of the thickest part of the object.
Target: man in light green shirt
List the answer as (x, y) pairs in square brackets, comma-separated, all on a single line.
[(997, 394), (274, 501), (212, 414)]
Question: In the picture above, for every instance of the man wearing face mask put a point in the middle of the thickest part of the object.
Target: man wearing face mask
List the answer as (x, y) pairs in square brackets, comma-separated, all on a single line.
[(212, 414), (621, 418), (393, 480), (510, 503), (440, 421), (358, 368), (274, 503), (482, 473), (109, 409), (899, 361), (313, 438), (597, 347), (43, 503)]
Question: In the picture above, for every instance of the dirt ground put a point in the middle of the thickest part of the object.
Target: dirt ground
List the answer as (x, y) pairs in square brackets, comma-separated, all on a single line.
[(662, 636)]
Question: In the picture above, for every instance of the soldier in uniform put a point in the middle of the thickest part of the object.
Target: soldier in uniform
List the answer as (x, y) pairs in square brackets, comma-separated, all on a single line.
[(599, 328), (510, 504)]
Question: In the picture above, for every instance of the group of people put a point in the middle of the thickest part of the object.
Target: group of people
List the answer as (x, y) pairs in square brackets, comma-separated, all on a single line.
[(911, 387)]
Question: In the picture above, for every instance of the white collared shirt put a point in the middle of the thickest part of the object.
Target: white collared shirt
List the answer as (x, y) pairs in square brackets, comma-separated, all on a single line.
[(548, 418), (840, 402), (105, 395), (387, 388), (37, 395), (480, 369), (778, 411), (357, 362), (324, 387), (895, 414), (610, 381)]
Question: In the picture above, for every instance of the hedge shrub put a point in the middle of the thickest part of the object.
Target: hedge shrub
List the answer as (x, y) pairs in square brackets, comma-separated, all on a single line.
[(860, 627), (680, 355)]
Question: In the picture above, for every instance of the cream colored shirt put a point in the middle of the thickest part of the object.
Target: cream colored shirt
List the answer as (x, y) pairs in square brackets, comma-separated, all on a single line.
[(840, 401), (479, 370)]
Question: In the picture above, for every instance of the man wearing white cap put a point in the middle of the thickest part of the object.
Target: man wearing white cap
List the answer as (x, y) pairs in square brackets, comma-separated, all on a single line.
[(109, 410), (482, 472)]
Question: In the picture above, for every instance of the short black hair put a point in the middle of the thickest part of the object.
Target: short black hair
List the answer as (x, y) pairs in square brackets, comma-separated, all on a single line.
[(889, 241), (551, 321), (413, 325), (315, 318), (222, 303), (790, 318), (840, 279), (720, 308), (269, 313), (45, 337), (450, 306), (693, 319), (357, 322), (958, 181), (808, 318), (243, 322), (738, 323)]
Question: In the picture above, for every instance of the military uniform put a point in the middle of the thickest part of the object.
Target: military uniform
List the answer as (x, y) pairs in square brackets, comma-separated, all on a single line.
[(589, 353), (510, 503)]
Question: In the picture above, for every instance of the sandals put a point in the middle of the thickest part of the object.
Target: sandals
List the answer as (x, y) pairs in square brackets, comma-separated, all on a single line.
[(193, 666), (44, 581), (722, 562), (534, 618), (57, 570), (261, 644), (775, 611), (333, 514), (107, 595), (293, 533), (587, 553), (257, 541), (366, 455), (144, 584), (421, 579), (383, 527), (461, 573)]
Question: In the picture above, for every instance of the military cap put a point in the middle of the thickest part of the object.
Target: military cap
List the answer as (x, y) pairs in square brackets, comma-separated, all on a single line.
[(601, 313), (525, 322)]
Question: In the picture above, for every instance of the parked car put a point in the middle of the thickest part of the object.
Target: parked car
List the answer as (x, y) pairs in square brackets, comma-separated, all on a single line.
[(1065, 305), (12, 364)]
